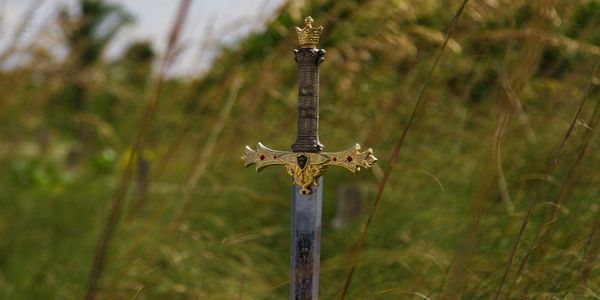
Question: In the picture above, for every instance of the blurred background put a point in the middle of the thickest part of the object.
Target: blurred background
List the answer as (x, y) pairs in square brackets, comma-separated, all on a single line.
[(122, 124)]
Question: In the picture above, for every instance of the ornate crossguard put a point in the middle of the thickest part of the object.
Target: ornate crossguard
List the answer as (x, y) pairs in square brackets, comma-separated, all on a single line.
[(306, 162), (306, 167)]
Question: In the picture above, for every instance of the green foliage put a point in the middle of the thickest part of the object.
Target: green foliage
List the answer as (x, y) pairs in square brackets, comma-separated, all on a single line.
[(492, 119)]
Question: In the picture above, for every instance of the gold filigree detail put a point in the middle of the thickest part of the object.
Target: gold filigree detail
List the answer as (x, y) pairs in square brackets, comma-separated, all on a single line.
[(307, 167), (308, 37), (307, 176)]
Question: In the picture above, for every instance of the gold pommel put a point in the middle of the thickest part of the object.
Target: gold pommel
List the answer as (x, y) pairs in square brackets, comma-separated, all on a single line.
[(308, 37)]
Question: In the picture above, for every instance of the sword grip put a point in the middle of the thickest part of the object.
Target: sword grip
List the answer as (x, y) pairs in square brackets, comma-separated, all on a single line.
[(308, 60)]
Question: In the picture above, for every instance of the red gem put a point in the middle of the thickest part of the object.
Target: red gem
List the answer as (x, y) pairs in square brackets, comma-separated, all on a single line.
[(334, 159), (349, 159), (274, 157), (262, 157)]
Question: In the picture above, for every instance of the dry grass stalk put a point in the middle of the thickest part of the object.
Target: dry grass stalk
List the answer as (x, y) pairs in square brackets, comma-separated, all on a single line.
[(551, 165), (457, 278), (148, 115), (392, 161), (593, 250), (202, 160), (23, 26), (544, 233)]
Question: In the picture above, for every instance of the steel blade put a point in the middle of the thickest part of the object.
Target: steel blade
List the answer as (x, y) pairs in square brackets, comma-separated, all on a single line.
[(306, 243)]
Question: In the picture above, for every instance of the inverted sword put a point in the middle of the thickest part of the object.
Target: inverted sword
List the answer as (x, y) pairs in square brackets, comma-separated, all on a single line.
[(306, 164)]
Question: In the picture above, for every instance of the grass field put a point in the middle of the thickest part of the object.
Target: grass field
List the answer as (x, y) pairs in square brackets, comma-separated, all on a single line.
[(500, 166)]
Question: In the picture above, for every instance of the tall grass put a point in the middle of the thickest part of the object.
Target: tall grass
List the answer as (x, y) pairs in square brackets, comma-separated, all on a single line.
[(391, 162), (549, 169), (147, 119), (476, 204)]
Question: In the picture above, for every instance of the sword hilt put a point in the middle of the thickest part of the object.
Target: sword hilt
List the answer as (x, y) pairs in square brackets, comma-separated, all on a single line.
[(307, 139), (308, 57), (307, 163)]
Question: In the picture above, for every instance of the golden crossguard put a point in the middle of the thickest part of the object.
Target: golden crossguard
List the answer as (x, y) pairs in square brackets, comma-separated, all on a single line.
[(306, 167)]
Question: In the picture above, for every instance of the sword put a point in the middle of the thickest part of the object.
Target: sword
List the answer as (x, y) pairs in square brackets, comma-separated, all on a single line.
[(306, 164)]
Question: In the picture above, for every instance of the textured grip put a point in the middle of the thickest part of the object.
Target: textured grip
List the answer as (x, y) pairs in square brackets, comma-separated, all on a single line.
[(308, 60)]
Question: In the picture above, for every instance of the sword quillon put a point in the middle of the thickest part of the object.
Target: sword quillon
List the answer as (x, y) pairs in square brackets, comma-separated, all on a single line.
[(306, 167)]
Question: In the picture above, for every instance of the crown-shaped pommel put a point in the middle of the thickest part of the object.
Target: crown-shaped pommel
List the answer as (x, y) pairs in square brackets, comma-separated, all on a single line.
[(308, 37)]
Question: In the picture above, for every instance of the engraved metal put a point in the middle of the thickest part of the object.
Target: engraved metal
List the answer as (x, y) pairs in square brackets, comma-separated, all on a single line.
[(308, 37), (306, 167), (308, 60), (306, 243), (306, 163), (305, 261)]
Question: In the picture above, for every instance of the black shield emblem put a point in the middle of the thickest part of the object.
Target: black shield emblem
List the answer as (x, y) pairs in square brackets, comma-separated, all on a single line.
[(302, 160)]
